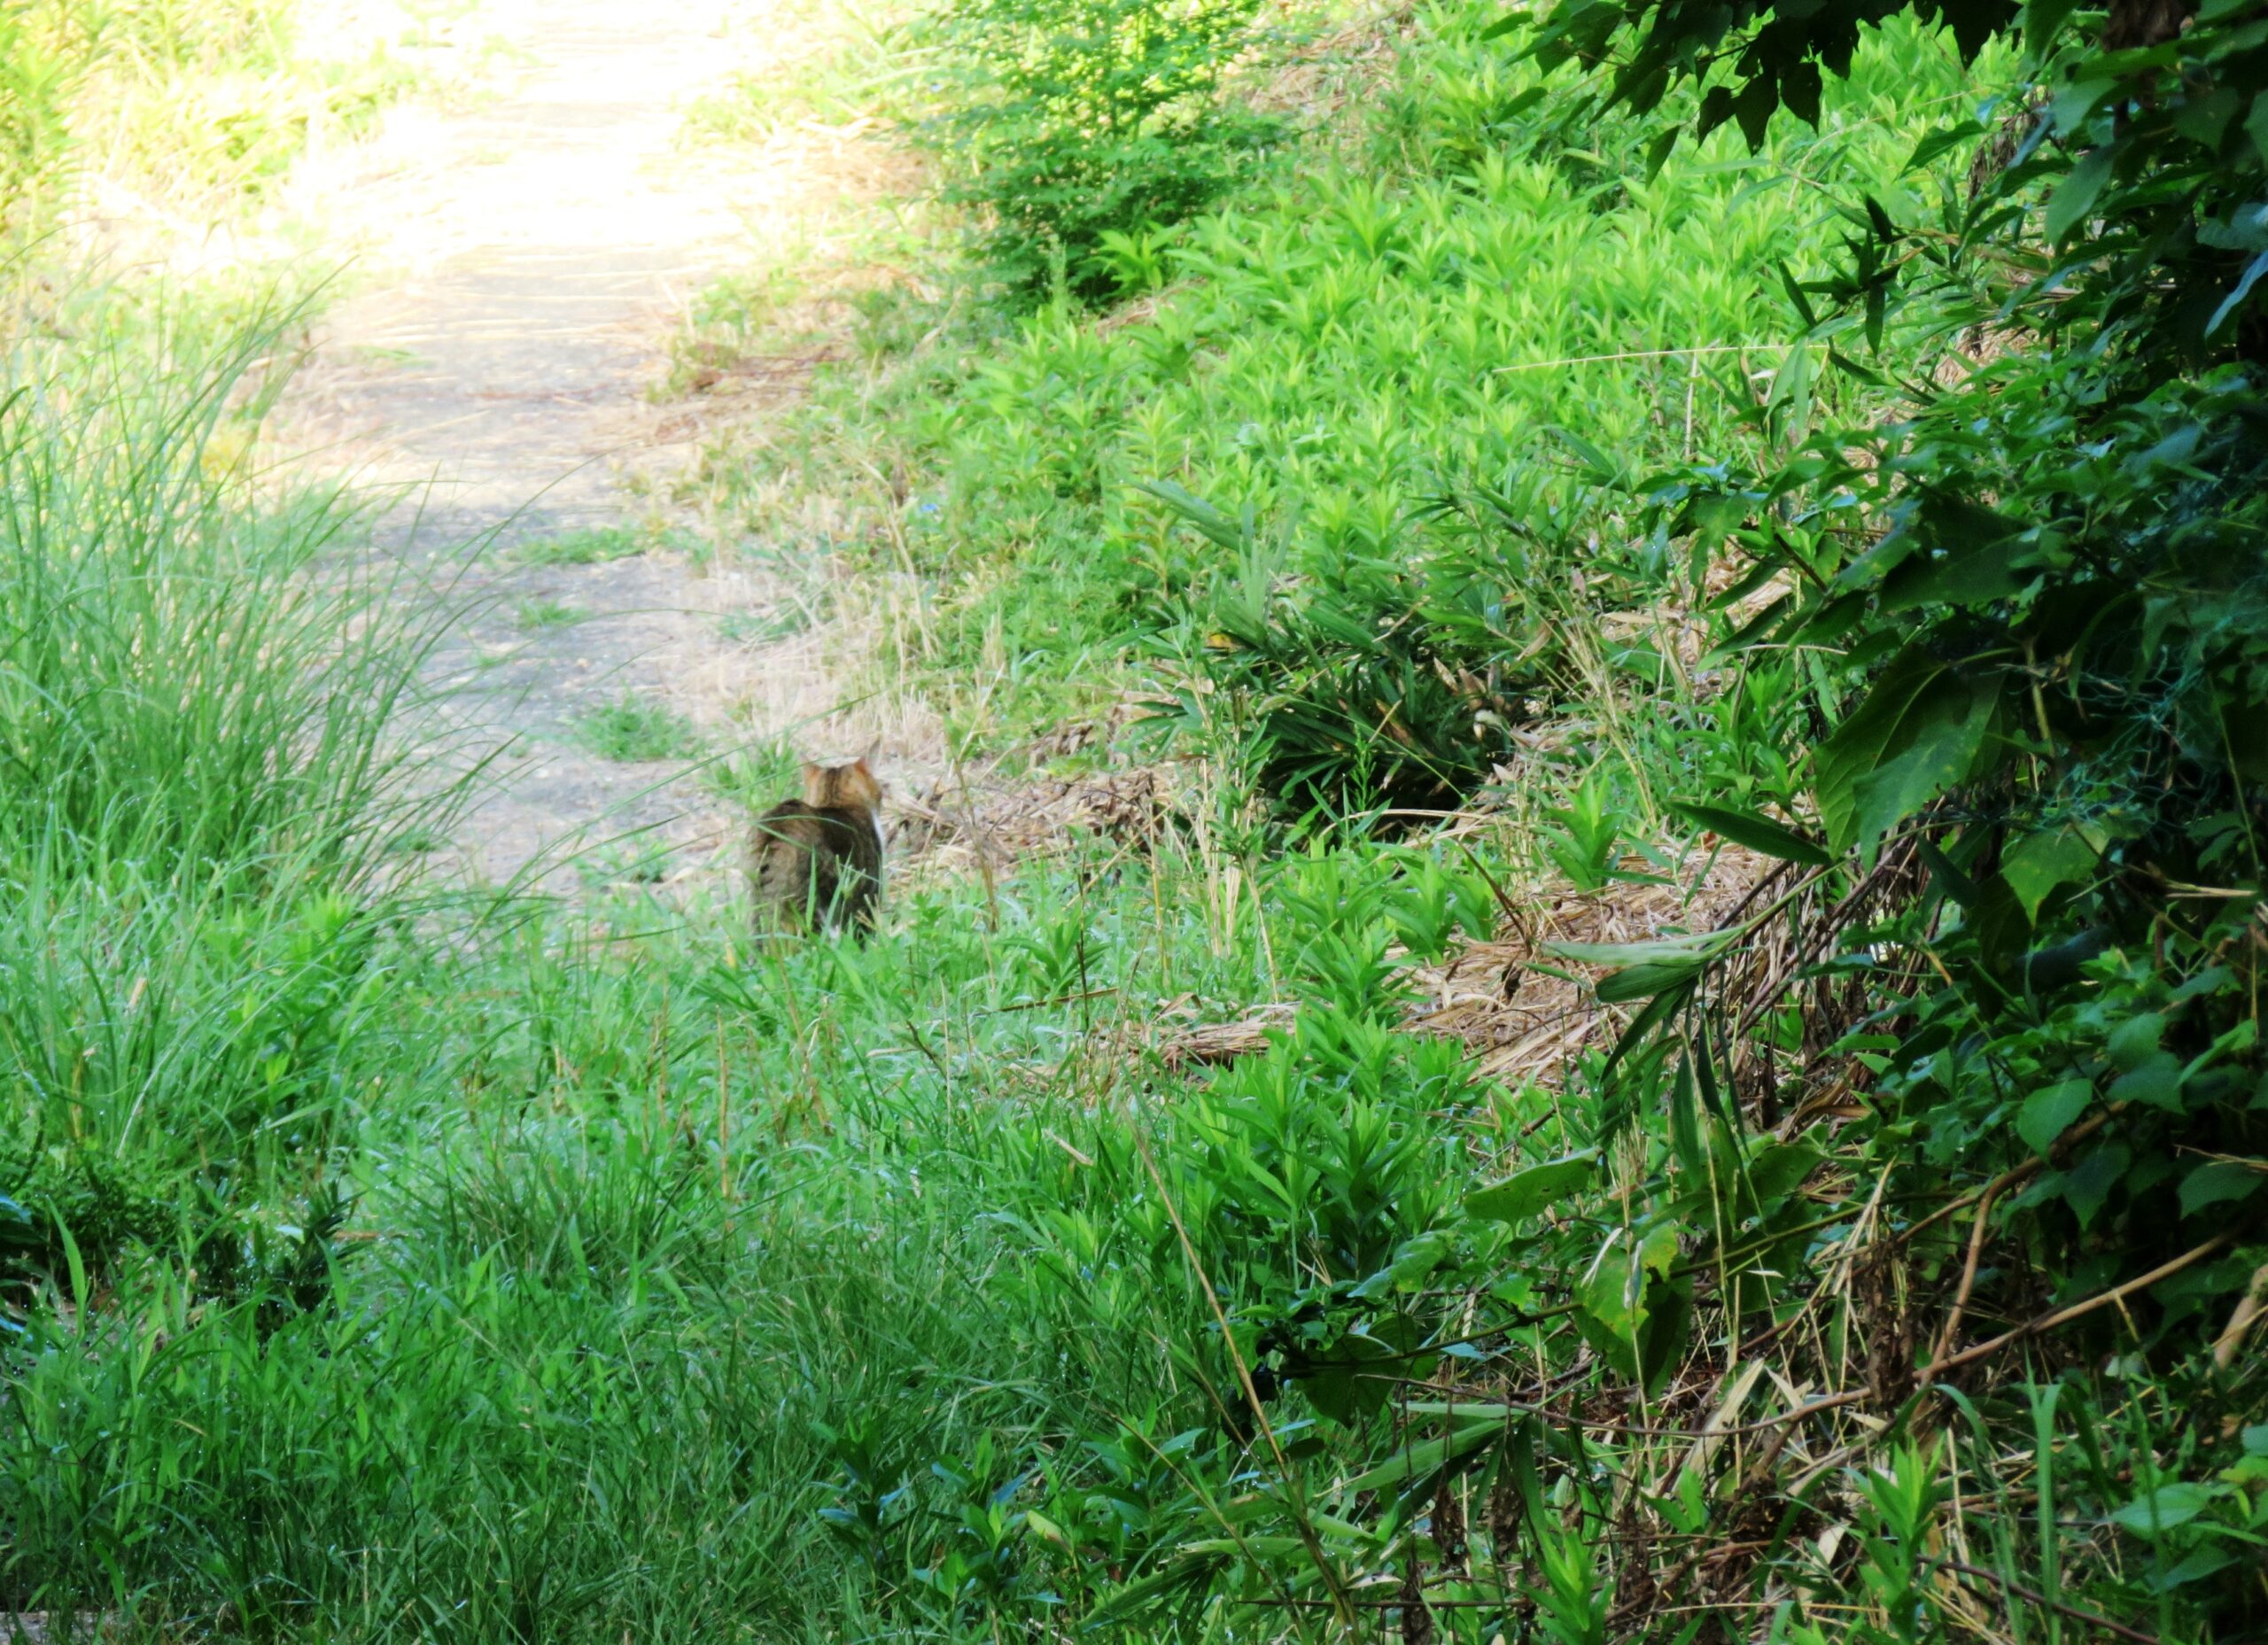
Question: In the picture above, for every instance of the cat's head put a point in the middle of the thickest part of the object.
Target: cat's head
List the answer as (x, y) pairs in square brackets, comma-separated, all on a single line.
[(852, 786)]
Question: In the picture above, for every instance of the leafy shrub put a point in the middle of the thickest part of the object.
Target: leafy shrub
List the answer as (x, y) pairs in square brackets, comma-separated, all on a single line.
[(2028, 955), (1075, 124), (2046, 578), (1371, 684)]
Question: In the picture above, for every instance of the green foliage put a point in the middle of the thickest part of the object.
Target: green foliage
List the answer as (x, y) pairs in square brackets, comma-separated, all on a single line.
[(171, 691), (1354, 373), (578, 1273), (2046, 580), (1073, 127), (199, 790), (1971, 568)]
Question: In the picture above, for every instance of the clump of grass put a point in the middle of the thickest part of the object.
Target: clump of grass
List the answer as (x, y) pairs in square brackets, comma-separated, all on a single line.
[(735, 323), (635, 729), (172, 689), (590, 545), (207, 804), (755, 775), (601, 545), (542, 614)]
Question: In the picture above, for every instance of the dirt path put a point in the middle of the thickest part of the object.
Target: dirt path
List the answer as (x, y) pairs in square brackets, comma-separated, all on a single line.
[(521, 264)]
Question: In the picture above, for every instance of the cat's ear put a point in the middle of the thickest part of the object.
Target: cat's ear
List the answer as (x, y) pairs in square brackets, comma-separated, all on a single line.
[(813, 771), (859, 765), (872, 749)]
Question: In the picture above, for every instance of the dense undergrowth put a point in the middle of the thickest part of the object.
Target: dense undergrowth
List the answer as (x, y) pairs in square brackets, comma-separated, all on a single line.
[(388, 1264)]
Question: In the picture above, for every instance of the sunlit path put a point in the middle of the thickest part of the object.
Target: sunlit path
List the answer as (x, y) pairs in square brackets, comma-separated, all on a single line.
[(519, 266)]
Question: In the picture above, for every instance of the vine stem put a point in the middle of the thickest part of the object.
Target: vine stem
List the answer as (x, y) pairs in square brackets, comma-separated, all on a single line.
[(1950, 1334)]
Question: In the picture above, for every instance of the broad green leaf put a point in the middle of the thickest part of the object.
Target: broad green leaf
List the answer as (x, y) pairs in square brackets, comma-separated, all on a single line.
[(1524, 1193), (1757, 833), (2155, 1083), (2219, 1181), (2069, 205), (2133, 1042), (2164, 1507), (1428, 1457), (1413, 1260), (1917, 733), (2202, 120), (1780, 1168), (1352, 1382), (1622, 1294), (2087, 1185), (1614, 1292), (2040, 863), (1668, 951), (2049, 1112), (1975, 564), (1646, 981), (2077, 102), (2042, 18)]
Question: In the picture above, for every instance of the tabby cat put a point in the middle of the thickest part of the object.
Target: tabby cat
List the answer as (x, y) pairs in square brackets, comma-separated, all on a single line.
[(817, 862)]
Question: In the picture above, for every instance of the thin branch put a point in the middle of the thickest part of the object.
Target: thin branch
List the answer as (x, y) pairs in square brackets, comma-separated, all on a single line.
[(2060, 1317), (1950, 1334)]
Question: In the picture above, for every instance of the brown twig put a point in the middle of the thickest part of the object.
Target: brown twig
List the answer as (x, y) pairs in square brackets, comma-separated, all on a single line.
[(2062, 1316), (2248, 1310), (1950, 1334), (1938, 1366)]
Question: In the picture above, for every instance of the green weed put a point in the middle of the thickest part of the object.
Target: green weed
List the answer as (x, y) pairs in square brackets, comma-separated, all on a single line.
[(1069, 128), (590, 545), (544, 614), (633, 728)]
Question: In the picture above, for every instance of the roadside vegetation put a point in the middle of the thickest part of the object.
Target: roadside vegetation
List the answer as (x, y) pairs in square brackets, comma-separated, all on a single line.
[(184, 107), (1666, 1051)]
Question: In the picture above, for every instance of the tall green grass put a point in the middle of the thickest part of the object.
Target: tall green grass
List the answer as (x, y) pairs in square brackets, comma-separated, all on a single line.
[(687, 1289), (208, 709), (193, 673)]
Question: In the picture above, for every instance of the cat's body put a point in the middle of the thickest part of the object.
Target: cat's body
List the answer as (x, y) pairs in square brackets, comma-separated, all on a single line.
[(818, 861)]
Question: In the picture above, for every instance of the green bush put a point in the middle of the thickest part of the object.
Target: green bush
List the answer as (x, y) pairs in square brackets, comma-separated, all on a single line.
[(1076, 125)]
